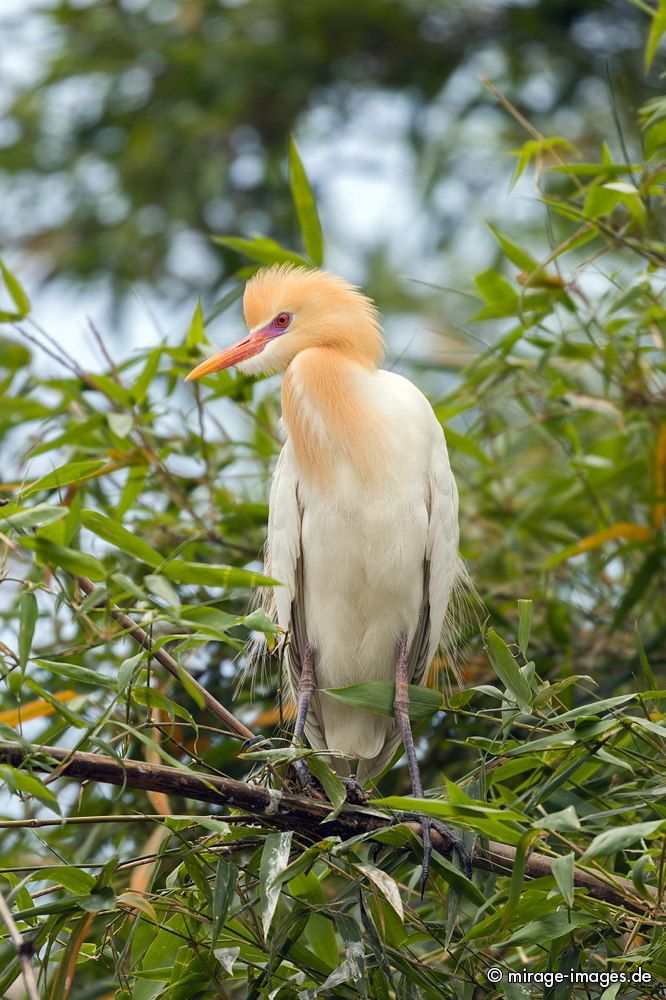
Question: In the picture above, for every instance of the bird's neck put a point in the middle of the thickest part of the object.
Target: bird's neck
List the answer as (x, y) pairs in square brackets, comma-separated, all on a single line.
[(329, 416)]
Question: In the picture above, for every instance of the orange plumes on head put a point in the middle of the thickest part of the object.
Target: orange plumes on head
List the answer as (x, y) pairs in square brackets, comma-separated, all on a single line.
[(324, 334), (335, 333), (327, 312)]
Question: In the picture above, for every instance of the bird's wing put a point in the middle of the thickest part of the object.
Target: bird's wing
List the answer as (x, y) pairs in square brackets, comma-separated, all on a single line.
[(284, 562), (440, 563), (283, 547)]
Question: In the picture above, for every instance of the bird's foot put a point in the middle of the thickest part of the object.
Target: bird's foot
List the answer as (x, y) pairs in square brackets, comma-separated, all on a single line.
[(452, 842), (356, 793), (307, 782)]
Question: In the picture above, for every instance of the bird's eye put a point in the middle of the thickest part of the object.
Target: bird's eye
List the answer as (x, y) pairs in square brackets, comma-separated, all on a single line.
[(282, 320)]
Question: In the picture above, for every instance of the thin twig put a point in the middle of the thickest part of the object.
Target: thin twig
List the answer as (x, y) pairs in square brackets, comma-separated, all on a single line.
[(286, 811), (168, 662), (23, 949)]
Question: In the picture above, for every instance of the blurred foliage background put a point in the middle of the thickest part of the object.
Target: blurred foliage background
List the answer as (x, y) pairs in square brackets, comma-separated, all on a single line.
[(132, 132)]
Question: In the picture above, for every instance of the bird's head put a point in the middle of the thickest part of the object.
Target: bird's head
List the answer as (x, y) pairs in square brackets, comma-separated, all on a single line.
[(289, 309)]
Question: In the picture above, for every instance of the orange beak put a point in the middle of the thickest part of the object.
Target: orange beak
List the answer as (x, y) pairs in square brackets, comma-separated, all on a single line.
[(241, 351)]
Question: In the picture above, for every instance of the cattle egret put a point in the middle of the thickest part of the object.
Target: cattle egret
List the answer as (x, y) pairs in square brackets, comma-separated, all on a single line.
[(363, 522)]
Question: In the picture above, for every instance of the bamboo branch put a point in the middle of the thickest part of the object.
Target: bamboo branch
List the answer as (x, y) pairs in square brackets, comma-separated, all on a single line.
[(168, 662), (290, 812), (23, 949)]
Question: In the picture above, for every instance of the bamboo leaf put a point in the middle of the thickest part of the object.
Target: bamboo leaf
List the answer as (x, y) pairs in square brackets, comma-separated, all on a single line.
[(17, 294), (507, 670), (306, 207), (262, 249), (223, 894), (27, 609), (524, 625), (387, 885), (378, 697), (209, 575), (274, 858), (77, 563), (13, 517), (563, 873), (620, 837), (72, 472), (114, 533)]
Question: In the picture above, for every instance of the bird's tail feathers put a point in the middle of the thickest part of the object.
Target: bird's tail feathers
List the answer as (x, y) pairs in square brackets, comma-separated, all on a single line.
[(260, 660), (462, 615)]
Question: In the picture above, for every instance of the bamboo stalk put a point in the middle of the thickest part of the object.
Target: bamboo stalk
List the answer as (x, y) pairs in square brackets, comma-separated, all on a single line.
[(168, 662), (290, 812)]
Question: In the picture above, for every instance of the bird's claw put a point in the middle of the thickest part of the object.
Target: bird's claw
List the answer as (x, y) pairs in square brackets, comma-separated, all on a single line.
[(356, 793), (453, 843)]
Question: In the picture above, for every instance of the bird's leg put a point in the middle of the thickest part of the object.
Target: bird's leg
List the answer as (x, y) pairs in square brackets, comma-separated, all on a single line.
[(401, 711), (306, 688)]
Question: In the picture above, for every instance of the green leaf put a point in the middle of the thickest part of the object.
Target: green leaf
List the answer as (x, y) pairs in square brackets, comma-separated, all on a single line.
[(657, 29), (13, 517), (73, 472), (274, 858), (378, 697), (77, 563), (77, 673), (13, 355), (223, 894), (488, 821), (263, 250), (387, 885), (153, 698), (20, 781), (140, 387), (59, 707), (563, 873), (516, 255), (507, 670), (27, 610), (306, 207), (73, 879), (98, 901), (113, 532), (593, 709), (126, 671), (548, 928), (259, 621), (353, 966), (566, 820), (209, 575), (612, 841), (329, 781), (17, 294), (499, 295), (120, 423), (466, 445), (524, 625), (196, 332), (161, 588)]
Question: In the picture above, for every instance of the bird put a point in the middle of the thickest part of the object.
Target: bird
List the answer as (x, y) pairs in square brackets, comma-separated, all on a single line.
[(363, 518)]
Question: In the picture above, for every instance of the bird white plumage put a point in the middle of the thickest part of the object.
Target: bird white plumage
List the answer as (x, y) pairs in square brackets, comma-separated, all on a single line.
[(363, 523), (377, 560)]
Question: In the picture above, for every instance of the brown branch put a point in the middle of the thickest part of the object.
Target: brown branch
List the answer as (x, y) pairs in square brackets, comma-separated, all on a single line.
[(23, 949), (168, 662), (290, 812)]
